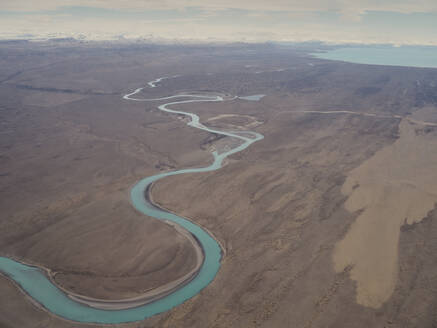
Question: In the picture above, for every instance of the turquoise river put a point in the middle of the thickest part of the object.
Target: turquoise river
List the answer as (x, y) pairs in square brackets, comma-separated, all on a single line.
[(34, 282)]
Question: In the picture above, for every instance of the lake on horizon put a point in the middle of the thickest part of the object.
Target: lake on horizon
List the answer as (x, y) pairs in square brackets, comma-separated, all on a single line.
[(411, 56)]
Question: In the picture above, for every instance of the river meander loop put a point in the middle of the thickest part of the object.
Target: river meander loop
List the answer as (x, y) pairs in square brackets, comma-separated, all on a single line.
[(35, 283)]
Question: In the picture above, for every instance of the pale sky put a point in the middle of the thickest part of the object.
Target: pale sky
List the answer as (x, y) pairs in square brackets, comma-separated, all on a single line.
[(337, 21)]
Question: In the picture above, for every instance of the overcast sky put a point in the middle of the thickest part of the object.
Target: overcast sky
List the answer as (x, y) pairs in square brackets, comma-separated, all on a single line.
[(366, 21)]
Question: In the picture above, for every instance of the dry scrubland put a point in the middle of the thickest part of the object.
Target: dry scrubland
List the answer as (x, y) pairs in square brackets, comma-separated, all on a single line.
[(327, 222)]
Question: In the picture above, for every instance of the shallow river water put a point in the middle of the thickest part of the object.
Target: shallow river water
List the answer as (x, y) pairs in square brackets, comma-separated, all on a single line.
[(34, 282)]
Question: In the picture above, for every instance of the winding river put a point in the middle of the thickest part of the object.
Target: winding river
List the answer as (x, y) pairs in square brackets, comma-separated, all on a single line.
[(36, 283)]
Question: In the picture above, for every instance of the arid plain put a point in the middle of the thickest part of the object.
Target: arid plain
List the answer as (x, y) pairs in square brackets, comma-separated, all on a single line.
[(329, 221)]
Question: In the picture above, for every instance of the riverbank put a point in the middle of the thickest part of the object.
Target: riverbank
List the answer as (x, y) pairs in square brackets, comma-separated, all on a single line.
[(208, 252)]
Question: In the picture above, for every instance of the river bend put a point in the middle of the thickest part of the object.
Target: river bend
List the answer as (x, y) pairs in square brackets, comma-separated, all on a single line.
[(35, 281)]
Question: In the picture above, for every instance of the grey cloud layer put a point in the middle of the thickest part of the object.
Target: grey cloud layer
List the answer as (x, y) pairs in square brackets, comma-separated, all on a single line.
[(298, 20), (343, 6)]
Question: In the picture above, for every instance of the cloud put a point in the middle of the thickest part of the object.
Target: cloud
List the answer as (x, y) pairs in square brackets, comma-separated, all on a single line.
[(348, 7), (231, 20)]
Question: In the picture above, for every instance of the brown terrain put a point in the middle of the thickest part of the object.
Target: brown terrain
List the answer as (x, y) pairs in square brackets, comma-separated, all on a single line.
[(329, 221)]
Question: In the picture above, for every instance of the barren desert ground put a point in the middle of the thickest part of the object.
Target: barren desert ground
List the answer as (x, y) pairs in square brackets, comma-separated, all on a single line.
[(329, 221)]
